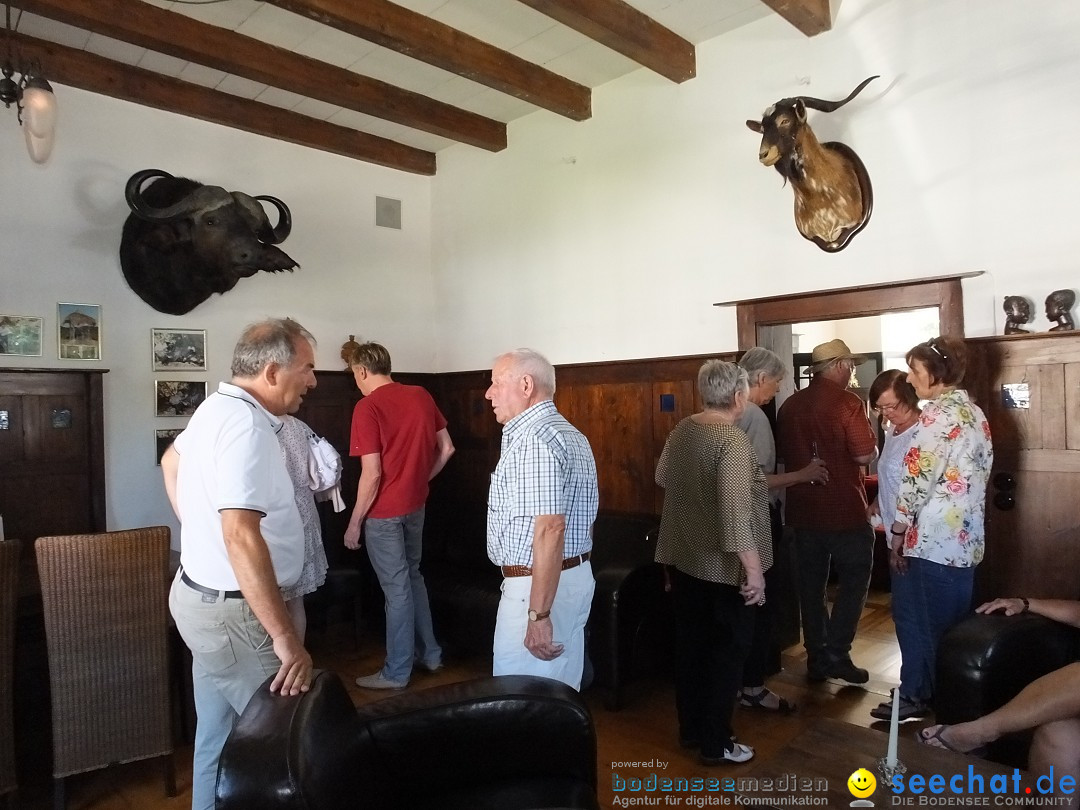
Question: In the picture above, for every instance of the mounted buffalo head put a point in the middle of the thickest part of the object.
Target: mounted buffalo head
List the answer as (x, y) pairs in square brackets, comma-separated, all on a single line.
[(185, 241), (833, 196)]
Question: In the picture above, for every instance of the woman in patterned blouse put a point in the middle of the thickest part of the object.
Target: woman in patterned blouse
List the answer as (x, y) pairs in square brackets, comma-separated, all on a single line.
[(937, 536), (715, 534)]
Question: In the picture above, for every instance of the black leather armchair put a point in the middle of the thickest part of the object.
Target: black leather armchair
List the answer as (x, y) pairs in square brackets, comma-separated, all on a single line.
[(503, 743), (985, 660), (631, 612)]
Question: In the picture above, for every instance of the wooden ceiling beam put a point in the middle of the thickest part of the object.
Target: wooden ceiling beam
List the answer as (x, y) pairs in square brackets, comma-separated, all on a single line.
[(419, 37), (809, 16), (93, 73), (624, 29), (184, 38)]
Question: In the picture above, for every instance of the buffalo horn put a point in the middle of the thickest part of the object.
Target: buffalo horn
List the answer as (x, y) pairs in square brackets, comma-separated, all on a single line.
[(201, 199), (279, 234), (829, 106)]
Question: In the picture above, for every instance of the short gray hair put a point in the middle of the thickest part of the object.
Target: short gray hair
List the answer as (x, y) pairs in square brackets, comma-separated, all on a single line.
[(719, 381), (531, 362), (266, 342), (759, 361)]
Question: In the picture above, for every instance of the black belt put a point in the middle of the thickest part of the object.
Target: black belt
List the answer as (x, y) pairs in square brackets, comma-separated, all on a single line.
[(209, 591)]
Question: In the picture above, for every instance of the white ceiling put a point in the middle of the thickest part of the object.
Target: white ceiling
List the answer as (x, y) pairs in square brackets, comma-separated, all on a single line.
[(505, 24)]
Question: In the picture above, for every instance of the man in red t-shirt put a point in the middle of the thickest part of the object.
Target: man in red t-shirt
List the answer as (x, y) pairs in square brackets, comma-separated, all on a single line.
[(401, 439), (829, 520)]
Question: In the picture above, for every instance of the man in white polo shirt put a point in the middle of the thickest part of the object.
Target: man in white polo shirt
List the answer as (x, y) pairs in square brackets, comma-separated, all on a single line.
[(241, 538)]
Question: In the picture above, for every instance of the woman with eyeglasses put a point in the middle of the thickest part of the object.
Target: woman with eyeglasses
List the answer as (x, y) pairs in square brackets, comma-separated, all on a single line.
[(894, 398), (937, 534)]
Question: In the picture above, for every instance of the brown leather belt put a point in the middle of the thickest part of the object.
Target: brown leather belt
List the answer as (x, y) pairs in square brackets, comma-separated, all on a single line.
[(525, 571)]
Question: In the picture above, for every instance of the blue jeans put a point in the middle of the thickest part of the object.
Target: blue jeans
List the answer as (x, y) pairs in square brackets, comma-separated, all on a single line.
[(926, 601), (394, 546), (232, 655), (828, 635)]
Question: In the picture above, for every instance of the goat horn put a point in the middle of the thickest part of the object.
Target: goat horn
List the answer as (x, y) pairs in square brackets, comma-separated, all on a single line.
[(829, 106)]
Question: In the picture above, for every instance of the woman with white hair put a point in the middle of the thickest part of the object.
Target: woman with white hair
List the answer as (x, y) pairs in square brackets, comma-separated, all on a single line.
[(765, 371), (714, 533)]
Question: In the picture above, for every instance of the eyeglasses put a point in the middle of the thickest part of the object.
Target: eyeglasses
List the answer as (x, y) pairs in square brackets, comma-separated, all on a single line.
[(882, 407)]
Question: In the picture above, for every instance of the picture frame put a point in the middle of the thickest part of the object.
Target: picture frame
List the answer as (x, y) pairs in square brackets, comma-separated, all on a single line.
[(21, 335), (178, 397), (163, 438), (78, 331), (178, 349)]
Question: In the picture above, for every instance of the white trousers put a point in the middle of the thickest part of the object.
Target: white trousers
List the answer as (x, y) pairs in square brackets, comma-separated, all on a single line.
[(569, 613)]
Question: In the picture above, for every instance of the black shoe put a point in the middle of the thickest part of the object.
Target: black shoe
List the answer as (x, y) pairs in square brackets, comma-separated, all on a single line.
[(909, 710), (847, 671)]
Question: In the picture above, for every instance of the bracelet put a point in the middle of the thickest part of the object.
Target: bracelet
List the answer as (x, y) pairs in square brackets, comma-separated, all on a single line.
[(897, 534), (1027, 605)]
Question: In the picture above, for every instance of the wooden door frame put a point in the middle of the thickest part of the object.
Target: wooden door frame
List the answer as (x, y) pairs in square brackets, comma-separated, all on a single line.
[(944, 292)]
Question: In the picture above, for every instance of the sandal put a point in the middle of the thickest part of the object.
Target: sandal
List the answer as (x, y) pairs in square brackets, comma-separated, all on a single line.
[(749, 701), (936, 739)]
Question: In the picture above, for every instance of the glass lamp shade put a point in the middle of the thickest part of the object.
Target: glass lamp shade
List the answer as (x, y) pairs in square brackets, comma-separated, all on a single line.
[(39, 118)]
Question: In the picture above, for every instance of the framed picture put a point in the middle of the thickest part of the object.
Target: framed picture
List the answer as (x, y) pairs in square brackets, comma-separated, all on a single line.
[(178, 349), (78, 328), (20, 334), (178, 397), (164, 438)]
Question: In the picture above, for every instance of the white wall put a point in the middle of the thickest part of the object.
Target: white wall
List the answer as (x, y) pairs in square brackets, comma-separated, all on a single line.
[(612, 238), (605, 239), (60, 228)]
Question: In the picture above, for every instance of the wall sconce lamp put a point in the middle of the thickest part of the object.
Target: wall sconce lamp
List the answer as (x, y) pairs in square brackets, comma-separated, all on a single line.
[(33, 98)]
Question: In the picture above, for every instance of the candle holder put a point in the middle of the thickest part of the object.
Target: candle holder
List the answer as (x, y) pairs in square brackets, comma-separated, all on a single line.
[(888, 771)]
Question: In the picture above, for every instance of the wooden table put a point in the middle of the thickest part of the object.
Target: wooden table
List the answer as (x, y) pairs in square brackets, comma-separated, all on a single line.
[(818, 762)]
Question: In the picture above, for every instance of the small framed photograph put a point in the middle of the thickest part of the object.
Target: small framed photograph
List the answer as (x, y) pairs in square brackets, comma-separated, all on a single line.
[(20, 334), (164, 438), (178, 397), (78, 328), (178, 349)]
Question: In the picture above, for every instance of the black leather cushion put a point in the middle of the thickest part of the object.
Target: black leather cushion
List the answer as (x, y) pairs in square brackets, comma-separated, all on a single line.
[(504, 743)]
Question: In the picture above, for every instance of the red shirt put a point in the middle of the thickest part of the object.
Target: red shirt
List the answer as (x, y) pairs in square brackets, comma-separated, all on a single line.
[(835, 418), (399, 422)]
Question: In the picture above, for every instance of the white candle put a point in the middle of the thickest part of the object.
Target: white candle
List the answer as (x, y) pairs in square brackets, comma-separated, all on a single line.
[(894, 728)]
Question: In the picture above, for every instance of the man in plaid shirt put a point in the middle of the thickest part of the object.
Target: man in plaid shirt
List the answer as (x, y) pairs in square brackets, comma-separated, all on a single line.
[(541, 507), (829, 519)]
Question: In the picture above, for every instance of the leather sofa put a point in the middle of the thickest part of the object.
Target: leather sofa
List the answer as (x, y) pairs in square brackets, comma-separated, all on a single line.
[(504, 743), (630, 611), (985, 660)]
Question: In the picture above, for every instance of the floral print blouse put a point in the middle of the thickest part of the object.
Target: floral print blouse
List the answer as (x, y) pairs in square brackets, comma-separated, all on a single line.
[(942, 494)]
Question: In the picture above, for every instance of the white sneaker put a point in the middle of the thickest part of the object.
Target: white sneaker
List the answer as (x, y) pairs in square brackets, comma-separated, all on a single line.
[(377, 681), (739, 753)]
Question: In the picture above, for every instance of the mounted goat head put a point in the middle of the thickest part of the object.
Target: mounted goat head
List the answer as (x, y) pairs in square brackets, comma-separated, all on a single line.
[(833, 196), (185, 241)]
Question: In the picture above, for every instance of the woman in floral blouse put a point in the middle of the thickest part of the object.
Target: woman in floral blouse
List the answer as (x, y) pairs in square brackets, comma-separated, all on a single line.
[(937, 536)]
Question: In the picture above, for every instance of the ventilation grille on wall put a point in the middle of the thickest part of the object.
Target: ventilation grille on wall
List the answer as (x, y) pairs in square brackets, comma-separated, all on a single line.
[(388, 213)]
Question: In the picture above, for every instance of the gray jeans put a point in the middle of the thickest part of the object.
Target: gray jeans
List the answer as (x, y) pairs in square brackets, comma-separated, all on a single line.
[(394, 546)]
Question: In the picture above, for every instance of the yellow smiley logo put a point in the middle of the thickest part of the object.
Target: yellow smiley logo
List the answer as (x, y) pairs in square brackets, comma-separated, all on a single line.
[(861, 783)]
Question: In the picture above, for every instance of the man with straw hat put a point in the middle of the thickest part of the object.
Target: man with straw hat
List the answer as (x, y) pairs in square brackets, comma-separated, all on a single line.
[(827, 421)]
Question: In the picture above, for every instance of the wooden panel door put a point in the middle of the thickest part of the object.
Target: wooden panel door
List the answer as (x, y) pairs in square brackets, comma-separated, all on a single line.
[(1033, 524), (52, 470)]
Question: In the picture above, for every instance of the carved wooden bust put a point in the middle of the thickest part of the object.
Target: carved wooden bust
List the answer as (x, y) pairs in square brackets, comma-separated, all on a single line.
[(1017, 312), (1058, 306)]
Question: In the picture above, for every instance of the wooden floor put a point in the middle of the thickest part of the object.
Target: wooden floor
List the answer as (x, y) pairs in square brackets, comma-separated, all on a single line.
[(642, 731)]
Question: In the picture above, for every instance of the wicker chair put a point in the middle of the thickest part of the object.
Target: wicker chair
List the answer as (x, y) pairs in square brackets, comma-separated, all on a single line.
[(106, 608), (9, 568)]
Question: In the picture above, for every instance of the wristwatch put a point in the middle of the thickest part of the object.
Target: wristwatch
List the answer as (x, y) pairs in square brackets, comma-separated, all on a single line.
[(535, 617)]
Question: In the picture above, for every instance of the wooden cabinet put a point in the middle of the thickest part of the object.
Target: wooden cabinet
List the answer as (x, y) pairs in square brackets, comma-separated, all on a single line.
[(52, 452), (1029, 387)]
